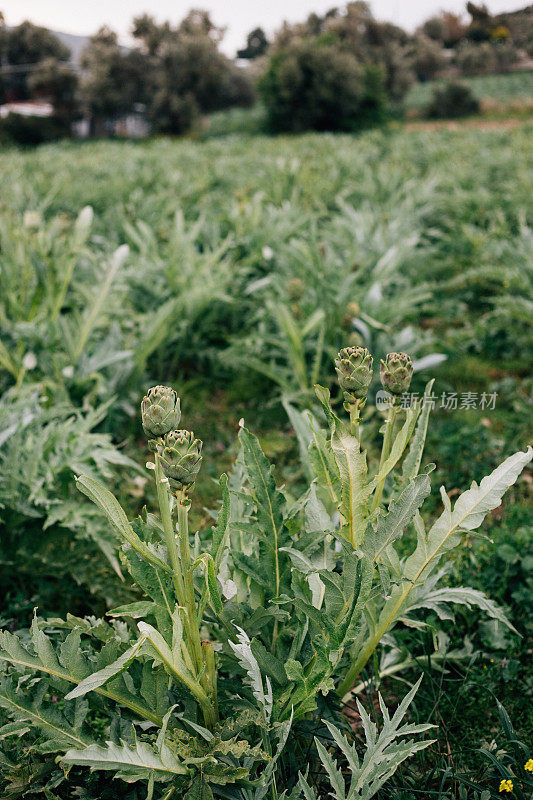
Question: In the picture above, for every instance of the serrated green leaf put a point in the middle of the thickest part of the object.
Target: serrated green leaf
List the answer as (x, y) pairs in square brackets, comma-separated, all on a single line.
[(247, 660), (268, 502), (137, 760), (413, 459), (13, 652), (220, 531), (47, 719), (391, 525), (137, 610), (103, 498), (199, 790), (469, 512), (103, 676)]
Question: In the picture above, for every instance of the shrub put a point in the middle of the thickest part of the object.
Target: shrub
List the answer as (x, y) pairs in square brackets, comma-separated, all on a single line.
[(474, 59), (428, 58), (454, 99), (17, 129), (310, 87), (506, 54)]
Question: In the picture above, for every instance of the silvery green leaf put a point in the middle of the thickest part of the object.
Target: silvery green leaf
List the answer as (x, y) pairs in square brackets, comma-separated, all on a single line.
[(115, 514), (102, 676), (468, 513), (383, 755), (413, 459), (248, 662), (437, 600), (391, 525), (139, 760), (20, 705)]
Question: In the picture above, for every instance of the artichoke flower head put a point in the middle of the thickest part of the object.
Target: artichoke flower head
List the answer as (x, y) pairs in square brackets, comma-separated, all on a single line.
[(354, 371)]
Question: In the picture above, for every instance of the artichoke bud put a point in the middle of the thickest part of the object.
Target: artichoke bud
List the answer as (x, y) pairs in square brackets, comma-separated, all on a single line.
[(354, 371), (396, 373), (352, 312), (295, 289), (160, 411), (181, 456), (355, 339)]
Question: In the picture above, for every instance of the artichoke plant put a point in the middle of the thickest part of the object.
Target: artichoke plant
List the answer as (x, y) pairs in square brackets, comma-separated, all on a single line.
[(354, 370), (160, 411), (181, 455), (396, 373)]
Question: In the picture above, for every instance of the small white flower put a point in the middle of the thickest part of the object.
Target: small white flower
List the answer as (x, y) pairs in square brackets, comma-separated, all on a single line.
[(229, 589), (68, 372), (268, 253), (29, 361), (150, 465)]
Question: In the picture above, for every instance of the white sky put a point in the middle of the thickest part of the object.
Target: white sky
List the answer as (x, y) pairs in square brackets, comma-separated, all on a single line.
[(240, 16)]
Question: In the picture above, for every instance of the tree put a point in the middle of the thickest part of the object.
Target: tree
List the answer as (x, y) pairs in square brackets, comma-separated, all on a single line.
[(379, 43), (114, 79), (189, 75), (22, 49), (256, 45), (454, 99), (475, 59), (428, 58), (446, 27), (312, 85), (199, 23), (479, 29), (56, 82)]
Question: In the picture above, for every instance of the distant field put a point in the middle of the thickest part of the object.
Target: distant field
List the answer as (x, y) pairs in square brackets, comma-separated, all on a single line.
[(502, 88)]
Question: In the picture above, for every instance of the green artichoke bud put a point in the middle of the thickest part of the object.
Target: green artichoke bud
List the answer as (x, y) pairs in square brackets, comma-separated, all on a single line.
[(355, 339), (396, 373), (354, 370), (160, 411), (295, 289), (181, 455), (352, 312)]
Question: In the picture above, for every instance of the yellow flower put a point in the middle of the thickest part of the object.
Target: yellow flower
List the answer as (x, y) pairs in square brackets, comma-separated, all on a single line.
[(529, 765), (506, 786)]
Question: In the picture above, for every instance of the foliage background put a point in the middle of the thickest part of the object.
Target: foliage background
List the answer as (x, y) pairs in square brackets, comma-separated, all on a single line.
[(426, 232)]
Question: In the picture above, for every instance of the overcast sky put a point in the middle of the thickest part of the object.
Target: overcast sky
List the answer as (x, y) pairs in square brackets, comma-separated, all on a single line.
[(239, 16)]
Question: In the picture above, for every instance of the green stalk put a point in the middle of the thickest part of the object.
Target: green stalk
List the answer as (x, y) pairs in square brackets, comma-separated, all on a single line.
[(401, 666), (211, 674), (163, 498), (355, 417), (385, 452), (188, 582), (366, 653)]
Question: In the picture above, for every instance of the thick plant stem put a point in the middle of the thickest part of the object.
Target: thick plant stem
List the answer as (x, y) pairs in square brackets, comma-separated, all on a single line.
[(168, 529), (186, 565), (211, 674), (367, 651), (385, 452), (163, 497), (355, 416)]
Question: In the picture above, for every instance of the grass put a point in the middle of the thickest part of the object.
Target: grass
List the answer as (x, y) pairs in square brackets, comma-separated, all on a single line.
[(502, 88)]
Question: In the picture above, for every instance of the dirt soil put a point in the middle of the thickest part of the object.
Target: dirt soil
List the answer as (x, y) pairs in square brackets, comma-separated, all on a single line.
[(456, 125)]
